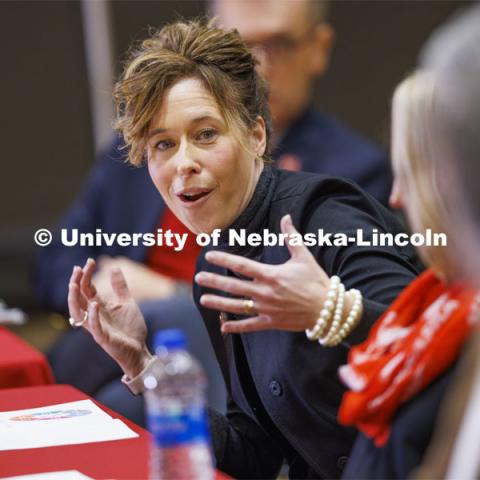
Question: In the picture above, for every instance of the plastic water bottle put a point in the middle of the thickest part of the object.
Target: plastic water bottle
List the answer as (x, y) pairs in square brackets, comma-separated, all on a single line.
[(175, 393)]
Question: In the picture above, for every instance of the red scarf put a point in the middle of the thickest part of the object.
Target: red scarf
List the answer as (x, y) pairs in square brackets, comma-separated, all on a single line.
[(414, 341)]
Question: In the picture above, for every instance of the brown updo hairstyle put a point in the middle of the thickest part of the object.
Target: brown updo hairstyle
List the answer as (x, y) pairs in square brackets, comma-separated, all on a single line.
[(189, 49)]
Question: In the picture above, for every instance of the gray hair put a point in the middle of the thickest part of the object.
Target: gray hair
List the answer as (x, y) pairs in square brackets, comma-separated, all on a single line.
[(453, 55)]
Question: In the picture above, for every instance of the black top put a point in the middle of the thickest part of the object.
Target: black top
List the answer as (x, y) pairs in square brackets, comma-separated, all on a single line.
[(284, 390), (411, 431)]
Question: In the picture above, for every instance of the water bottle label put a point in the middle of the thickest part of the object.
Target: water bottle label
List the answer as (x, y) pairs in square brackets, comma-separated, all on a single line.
[(179, 427)]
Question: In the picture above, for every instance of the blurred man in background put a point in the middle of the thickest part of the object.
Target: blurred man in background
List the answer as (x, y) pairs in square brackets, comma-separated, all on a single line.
[(293, 43)]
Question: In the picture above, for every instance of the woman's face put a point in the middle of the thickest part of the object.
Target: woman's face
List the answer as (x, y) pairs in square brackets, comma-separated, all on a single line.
[(197, 164), (400, 197), (405, 194), (397, 193)]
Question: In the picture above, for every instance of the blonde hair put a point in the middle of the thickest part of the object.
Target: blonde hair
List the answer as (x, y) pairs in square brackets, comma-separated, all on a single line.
[(414, 149), (193, 49)]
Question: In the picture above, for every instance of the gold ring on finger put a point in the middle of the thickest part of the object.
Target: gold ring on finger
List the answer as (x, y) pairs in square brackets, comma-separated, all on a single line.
[(248, 306)]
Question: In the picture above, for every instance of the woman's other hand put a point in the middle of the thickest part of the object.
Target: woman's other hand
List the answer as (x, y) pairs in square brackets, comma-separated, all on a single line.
[(115, 321), (285, 297)]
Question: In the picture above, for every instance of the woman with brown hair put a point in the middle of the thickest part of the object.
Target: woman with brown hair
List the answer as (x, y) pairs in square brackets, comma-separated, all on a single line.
[(191, 104)]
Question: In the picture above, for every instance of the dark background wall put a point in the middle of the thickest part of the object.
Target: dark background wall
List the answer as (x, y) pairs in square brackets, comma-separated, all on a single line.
[(377, 45), (46, 139), (45, 128)]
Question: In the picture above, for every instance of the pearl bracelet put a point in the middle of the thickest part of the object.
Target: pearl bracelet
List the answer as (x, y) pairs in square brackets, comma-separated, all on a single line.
[(350, 323), (329, 329), (326, 311), (337, 318)]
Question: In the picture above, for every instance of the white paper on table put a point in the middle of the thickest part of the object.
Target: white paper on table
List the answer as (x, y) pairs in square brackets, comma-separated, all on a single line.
[(64, 475), (62, 424)]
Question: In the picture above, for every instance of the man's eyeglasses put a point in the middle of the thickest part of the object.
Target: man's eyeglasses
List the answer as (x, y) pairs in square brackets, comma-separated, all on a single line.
[(278, 46)]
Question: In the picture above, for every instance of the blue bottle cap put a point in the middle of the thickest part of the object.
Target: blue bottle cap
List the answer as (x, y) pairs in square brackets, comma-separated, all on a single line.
[(169, 339)]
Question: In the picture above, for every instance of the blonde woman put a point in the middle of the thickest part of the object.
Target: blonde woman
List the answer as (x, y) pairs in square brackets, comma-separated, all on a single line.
[(398, 376)]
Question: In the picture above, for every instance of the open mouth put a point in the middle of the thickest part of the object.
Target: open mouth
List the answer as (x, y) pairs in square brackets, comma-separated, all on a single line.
[(193, 197)]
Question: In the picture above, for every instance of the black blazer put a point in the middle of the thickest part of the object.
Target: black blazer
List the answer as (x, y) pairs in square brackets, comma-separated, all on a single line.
[(284, 390)]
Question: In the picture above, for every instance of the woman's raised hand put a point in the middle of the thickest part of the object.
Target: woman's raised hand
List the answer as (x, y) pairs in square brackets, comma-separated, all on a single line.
[(285, 297), (115, 321)]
